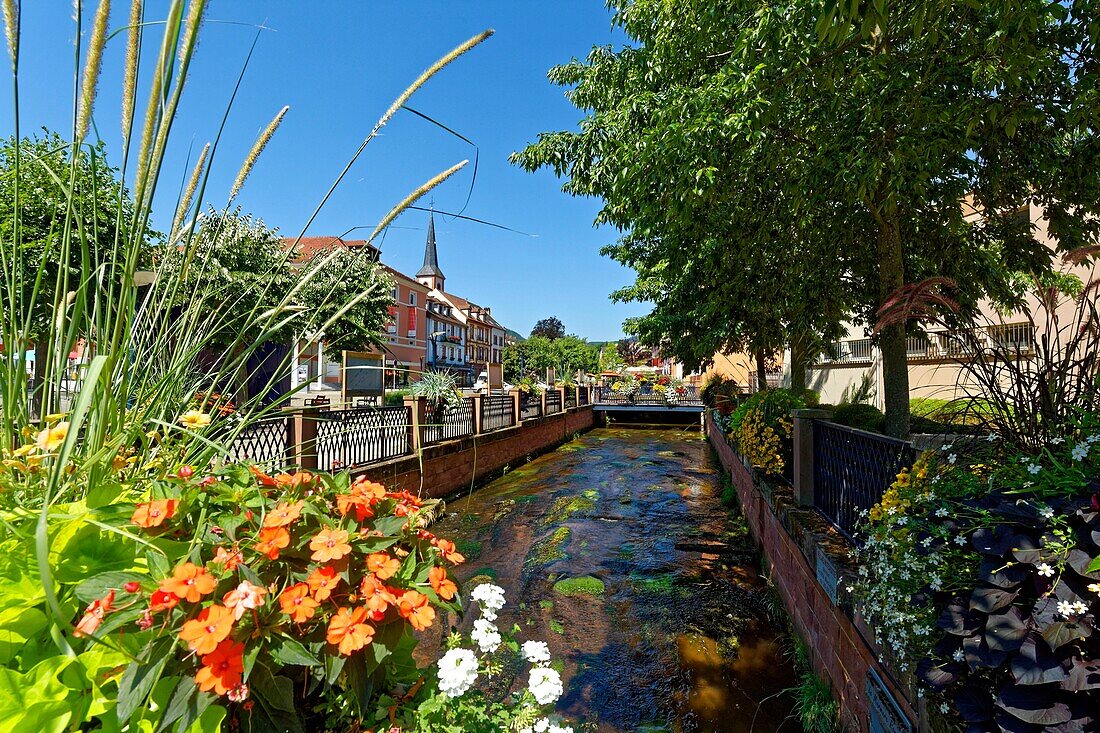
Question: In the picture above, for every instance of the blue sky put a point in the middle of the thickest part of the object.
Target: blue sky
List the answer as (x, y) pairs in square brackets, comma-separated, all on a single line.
[(339, 65)]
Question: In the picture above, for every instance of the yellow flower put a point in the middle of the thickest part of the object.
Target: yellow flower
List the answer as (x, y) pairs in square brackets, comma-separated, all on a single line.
[(25, 450), (51, 439), (194, 419)]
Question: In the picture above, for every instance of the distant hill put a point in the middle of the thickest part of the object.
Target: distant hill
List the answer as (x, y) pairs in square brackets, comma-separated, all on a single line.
[(516, 335)]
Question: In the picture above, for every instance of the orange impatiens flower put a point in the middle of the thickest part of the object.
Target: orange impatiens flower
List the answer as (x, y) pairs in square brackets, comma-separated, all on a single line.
[(261, 478), (414, 607), (211, 626), (348, 630), (294, 480), (228, 558), (284, 514), (383, 564), (161, 601), (153, 513), (449, 551), (222, 668), (377, 597), (444, 587), (244, 597), (189, 583), (93, 615), (322, 582), (297, 603), (272, 539), (329, 544)]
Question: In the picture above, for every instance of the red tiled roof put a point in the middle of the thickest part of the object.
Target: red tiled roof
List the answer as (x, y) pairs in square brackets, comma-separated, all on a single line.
[(310, 246), (409, 280)]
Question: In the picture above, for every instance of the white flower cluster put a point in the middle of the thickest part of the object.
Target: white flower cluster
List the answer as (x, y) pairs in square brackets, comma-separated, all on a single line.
[(1069, 610), (490, 598), (545, 685), (457, 672), (1081, 450), (543, 725), (536, 652), (485, 635)]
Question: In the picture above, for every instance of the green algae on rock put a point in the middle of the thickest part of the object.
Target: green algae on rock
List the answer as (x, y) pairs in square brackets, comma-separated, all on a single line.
[(585, 585)]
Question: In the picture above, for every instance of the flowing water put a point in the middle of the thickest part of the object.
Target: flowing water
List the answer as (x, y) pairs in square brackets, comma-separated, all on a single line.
[(617, 551)]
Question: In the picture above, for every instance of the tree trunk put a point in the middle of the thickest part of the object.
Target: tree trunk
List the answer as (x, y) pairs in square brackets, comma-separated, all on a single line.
[(895, 368), (799, 363), (761, 370)]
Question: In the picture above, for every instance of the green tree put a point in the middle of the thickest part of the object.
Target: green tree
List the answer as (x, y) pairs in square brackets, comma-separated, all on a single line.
[(351, 293), (777, 165), (566, 355), (551, 328)]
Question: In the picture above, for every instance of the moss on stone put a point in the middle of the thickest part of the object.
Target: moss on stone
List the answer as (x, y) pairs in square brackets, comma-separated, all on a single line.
[(656, 584), (556, 626), (585, 585), (547, 550), (470, 549), (546, 605), (565, 507)]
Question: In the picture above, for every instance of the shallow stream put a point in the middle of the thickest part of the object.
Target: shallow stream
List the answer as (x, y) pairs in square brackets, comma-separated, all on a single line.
[(617, 550)]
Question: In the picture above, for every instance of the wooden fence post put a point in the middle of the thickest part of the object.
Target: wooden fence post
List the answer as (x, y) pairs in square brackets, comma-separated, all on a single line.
[(517, 406), (476, 401), (803, 437), (418, 406)]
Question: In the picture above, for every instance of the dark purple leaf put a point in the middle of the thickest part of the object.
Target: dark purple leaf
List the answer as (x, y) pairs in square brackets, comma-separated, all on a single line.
[(1035, 704), (1080, 560), (1010, 724), (994, 572), (1005, 631), (1060, 633), (974, 704), (1083, 676), (994, 542), (978, 653), (957, 619), (937, 675), (991, 600), (1027, 549), (1035, 664)]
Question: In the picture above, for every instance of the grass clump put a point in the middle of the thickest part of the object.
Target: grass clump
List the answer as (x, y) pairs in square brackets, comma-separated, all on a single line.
[(585, 585)]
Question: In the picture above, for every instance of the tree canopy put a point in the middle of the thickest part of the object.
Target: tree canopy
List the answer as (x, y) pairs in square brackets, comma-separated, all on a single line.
[(778, 168), (551, 328), (566, 355)]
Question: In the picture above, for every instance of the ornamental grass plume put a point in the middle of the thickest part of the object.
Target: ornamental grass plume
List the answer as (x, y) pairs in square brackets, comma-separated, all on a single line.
[(130, 70), (91, 69), (254, 153), (189, 193), (11, 32)]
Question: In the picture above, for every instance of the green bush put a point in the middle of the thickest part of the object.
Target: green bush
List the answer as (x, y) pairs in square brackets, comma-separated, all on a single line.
[(397, 397), (860, 416)]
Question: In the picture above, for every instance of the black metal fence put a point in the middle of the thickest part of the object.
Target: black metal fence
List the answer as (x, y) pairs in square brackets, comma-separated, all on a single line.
[(852, 470), (265, 443), (456, 421), (646, 397), (497, 412), (530, 405), (347, 438), (553, 401), (582, 396), (570, 397)]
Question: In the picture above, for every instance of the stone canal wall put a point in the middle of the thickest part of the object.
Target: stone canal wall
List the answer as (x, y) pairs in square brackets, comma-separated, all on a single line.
[(452, 466), (807, 560)]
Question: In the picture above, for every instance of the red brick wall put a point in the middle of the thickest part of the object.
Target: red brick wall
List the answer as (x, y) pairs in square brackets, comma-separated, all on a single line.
[(451, 466), (838, 651)]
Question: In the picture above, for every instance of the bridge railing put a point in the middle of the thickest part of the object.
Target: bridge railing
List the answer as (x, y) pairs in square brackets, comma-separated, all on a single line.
[(686, 396)]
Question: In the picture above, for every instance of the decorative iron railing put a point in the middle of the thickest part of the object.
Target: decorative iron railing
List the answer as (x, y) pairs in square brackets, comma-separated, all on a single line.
[(497, 412), (530, 405), (646, 397), (456, 421), (265, 443), (570, 397), (852, 470), (349, 438), (582, 396), (553, 401)]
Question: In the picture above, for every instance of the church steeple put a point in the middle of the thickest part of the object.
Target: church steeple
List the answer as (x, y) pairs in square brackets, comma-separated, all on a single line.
[(430, 274)]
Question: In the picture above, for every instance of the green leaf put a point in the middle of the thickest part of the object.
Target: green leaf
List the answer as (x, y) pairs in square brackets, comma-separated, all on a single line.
[(1094, 565), (274, 711), (289, 651), (98, 586), (140, 676), (35, 702)]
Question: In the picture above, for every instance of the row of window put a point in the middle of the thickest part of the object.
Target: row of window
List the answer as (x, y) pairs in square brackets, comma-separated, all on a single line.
[(1010, 337)]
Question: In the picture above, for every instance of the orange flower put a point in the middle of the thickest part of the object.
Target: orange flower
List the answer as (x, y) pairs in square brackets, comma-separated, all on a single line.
[(382, 564), (222, 668), (449, 551), (211, 626), (153, 513), (244, 597), (322, 581), (294, 480), (329, 544), (444, 587), (297, 603), (229, 558), (272, 539), (161, 601), (93, 615), (348, 630), (414, 607), (284, 514), (261, 478), (405, 497), (377, 597), (189, 583)]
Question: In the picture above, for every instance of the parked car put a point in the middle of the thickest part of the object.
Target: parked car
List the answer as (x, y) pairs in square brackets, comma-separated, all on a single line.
[(481, 384)]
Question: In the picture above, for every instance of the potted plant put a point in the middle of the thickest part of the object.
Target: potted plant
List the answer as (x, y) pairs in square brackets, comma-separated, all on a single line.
[(440, 389)]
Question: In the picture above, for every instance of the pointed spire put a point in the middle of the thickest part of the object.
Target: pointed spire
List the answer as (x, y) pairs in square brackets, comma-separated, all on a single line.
[(431, 258)]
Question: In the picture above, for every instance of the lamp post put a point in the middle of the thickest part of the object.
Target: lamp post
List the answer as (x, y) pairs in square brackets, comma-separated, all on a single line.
[(432, 337)]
